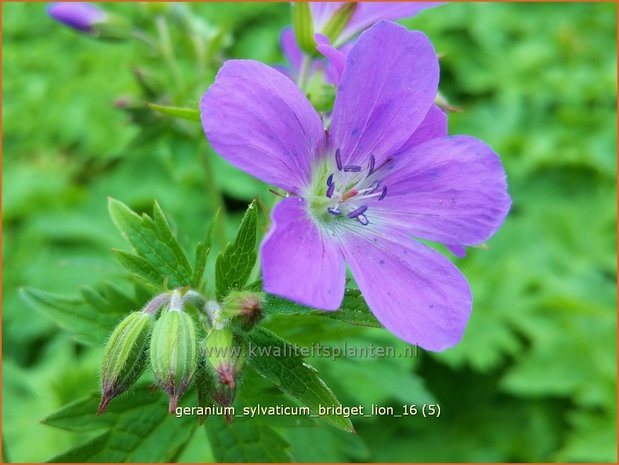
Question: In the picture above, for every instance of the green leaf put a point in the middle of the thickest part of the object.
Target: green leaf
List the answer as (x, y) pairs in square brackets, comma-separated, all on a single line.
[(235, 263), (162, 258), (338, 21), (353, 311), (88, 318), (138, 428), (303, 27), (202, 252), (189, 114), (277, 360), (246, 441)]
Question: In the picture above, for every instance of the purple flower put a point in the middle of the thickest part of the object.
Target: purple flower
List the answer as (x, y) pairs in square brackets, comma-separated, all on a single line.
[(79, 16), (365, 15), (384, 172)]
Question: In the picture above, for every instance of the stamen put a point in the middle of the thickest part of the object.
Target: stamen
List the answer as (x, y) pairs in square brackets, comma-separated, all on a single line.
[(382, 195), (330, 190), (371, 165), (375, 185), (357, 211), (363, 219), (334, 211), (330, 179), (351, 193), (338, 159), (352, 168)]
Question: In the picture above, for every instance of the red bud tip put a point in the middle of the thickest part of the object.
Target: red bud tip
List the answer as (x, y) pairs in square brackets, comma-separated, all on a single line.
[(173, 404), (105, 400)]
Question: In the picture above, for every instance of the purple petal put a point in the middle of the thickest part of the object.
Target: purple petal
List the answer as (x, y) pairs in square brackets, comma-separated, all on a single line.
[(433, 125), (300, 261), (388, 85), (77, 15), (369, 13), (291, 50), (450, 190), (458, 250), (414, 291), (258, 120), (337, 59)]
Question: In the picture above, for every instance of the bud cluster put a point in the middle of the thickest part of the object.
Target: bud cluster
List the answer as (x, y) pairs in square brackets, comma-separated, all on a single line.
[(178, 354)]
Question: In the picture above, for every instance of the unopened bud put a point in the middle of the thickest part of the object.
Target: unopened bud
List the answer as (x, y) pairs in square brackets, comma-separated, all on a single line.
[(244, 308), (174, 353), (225, 352), (124, 358), (89, 19)]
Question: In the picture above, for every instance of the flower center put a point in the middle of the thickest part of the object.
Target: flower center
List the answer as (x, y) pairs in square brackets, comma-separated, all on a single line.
[(346, 191)]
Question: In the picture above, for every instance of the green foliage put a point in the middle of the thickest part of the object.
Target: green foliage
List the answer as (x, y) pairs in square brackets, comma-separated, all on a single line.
[(353, 310), (534, 378), (279, 361), (246, 441), (159, 260), (235, 262), (89, 317), (135, 428)]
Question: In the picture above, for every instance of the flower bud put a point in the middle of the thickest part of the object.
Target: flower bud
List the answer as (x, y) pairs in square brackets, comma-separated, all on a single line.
[(124, 358), (174, 354), (225, 352), (77, 15), (244, 308), (89, 19)]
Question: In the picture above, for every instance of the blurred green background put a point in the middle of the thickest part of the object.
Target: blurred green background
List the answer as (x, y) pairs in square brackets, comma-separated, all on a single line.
[(534, 378)]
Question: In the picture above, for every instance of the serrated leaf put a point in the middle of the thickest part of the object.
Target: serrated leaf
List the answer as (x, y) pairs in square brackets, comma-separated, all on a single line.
[(277, 360), (138, 428), (246, 441), (353, 311), (235, 263), (88, 318), (203, 250), (153, 242), (139, 267), (189, 114)]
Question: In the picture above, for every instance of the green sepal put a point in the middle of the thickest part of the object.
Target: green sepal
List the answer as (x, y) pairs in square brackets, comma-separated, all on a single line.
[(303, 27), (174, 353), (338, 22), (124, 357)]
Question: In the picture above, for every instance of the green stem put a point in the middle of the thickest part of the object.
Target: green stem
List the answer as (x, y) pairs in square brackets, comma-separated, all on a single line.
[(304, 73), (167, 51), (217, 201)]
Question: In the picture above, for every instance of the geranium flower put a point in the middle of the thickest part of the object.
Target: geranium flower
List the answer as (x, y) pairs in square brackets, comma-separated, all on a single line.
[(76, 15), (358, 192), (365, 15)]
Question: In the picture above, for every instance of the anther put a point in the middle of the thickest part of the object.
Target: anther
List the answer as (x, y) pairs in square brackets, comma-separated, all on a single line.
[(363, 219), (330, 190), (371, 165), (334, 211), (357, 211), (330, 179), (338, 159), (352, 169), (382, 195)]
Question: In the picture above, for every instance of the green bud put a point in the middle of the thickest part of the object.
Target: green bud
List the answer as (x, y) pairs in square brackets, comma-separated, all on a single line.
[(173, 353), (243, 308), (124, 358), (225, 352), (303, 27)]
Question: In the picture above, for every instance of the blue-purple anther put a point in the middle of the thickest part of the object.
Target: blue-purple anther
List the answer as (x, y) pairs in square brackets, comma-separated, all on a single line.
[(77, 15), (357, 188)]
